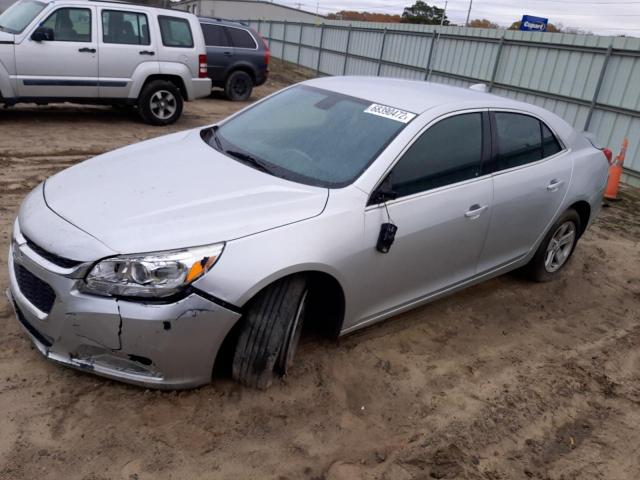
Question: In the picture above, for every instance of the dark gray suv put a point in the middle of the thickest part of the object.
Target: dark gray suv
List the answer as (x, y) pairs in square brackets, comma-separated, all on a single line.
[(237, 57)]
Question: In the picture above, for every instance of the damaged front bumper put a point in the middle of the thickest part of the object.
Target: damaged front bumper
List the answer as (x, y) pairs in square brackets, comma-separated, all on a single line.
[(169, 346)]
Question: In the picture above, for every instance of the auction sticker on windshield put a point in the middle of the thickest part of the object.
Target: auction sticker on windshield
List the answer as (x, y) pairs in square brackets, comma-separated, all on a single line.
[(390, 112)]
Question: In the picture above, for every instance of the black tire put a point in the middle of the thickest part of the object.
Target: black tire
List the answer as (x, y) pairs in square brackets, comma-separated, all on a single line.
[(270, 333), (238, 86), (538, 269), (151, 107)]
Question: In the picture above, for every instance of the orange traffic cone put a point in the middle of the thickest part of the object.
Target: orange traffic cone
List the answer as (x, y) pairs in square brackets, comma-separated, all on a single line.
[(615, 171)]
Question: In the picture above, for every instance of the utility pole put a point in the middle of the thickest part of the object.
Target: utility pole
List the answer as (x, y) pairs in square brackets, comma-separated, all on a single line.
[(466, 24)]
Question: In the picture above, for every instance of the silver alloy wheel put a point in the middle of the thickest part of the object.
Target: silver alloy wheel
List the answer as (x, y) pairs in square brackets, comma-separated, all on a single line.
[(290, 347), (560, 247), (163, 104)]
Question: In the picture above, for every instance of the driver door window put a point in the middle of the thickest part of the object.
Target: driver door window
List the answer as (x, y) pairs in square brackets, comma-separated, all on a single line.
[(448, 152), (70, 25)]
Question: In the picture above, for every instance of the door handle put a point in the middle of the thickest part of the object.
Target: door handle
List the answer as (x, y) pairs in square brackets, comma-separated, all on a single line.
[(87, 50), (226, 54), (554, 185), (475, 211), (147, 52)]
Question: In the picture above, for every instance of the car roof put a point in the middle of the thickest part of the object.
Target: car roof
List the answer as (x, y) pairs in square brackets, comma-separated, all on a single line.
[(411, 95)]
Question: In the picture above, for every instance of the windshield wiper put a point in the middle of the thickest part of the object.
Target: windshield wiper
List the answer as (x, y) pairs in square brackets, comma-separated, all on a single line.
[(250, 160)]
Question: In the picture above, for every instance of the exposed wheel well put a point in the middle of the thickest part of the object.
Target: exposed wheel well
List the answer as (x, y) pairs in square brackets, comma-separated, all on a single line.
[(584, 211), (243, 68), (325, 313), (175, 79)]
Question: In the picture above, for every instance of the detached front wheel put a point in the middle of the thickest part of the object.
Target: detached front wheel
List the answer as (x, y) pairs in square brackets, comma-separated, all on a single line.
[(160, 103), (270, 333)]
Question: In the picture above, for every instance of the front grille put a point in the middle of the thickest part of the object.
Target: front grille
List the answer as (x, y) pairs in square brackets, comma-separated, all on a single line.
[(52, 257), (35, 290)]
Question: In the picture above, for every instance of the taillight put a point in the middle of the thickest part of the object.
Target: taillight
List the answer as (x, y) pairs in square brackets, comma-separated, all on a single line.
[(609, 154), (267, 52), (202, 60)]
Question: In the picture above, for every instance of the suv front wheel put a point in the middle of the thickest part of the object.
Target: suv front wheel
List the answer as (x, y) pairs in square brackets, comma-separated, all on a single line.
[(160, 103)]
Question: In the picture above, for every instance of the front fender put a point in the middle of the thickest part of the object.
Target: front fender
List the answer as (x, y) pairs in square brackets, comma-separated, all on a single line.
[(7, 64)]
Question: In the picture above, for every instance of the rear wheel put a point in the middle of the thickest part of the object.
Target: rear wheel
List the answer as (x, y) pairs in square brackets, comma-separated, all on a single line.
[(556, 248), (238, 86), (160, 103), (270, 333)]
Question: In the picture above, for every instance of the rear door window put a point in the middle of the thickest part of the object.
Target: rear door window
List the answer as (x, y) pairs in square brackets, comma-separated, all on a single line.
[(126, 28), (215, 36), (448, 152), (519, 139), (175, 32), (241, 38)]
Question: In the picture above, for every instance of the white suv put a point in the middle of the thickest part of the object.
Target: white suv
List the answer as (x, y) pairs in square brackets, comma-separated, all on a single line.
[(102, 53)]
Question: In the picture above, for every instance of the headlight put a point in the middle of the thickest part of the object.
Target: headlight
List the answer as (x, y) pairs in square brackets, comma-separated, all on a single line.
[(159, 274)]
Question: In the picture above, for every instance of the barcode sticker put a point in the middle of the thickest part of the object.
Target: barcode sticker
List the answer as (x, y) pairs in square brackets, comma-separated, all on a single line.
[(390, 112)]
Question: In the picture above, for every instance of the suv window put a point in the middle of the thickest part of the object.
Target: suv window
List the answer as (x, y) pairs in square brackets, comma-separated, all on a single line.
[(215, 36), (448, 152), (175, 32), (241, 38), (70, 24), (125, 28)]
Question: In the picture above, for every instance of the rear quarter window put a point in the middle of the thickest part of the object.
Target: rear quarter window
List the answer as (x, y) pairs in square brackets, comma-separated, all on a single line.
[(241, 38), (175, 32)]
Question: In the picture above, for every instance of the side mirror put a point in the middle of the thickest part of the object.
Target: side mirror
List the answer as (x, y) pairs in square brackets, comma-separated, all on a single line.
[(42, 34)]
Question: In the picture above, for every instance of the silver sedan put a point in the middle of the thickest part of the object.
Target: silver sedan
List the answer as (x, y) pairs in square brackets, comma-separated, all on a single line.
[(332, 204)]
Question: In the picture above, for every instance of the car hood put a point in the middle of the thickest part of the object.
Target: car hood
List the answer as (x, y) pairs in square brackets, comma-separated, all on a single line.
[(175, 192)]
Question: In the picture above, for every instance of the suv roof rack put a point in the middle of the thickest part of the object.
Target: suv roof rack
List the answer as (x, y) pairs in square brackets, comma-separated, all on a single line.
[(125, 2)]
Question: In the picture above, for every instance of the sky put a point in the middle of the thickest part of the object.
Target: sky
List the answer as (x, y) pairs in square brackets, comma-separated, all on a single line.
[(603, 17)]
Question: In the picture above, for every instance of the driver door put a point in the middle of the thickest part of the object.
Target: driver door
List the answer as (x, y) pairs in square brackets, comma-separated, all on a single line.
[(66, 66), (442, 213)]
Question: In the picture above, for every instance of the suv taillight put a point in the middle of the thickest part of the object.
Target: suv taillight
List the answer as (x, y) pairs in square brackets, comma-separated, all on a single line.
[(609, 154), (202, 60)]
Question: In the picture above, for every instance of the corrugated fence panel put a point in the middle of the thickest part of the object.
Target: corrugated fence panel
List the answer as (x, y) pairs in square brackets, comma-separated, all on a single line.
[(365, 44), (559, 72)]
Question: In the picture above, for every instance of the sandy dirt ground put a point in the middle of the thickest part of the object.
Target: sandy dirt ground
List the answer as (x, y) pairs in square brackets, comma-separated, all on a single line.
[(506, 380)]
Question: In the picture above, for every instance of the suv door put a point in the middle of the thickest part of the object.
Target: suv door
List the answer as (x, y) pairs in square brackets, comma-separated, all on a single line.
[(531, 175), (219, 51), (442, 213), (125, 43), (66, 66)]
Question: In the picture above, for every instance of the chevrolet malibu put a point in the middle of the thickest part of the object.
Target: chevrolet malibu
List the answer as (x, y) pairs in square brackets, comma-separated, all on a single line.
[(333, 204)]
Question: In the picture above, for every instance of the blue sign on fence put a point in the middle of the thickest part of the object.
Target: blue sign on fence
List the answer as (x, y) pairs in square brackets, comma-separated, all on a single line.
[(535, 24)]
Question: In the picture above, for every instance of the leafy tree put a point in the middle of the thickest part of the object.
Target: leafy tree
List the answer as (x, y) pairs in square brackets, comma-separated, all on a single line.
[(484, 23), (364, 16), (420, 12)]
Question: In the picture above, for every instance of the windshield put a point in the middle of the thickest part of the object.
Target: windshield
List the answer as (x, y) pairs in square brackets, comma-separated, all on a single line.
[(20, 15), (309, 135)]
